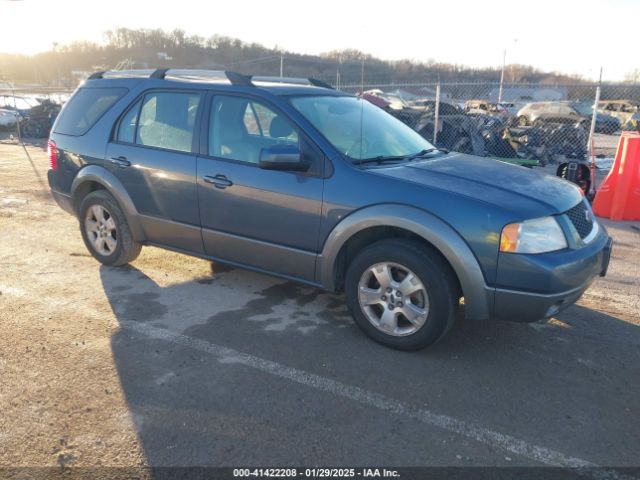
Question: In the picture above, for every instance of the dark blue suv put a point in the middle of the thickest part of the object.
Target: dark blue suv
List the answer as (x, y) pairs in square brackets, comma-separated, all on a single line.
[(293, 178)]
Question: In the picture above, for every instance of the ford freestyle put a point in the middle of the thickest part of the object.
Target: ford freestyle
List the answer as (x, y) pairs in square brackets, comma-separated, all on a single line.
[(293, 178)]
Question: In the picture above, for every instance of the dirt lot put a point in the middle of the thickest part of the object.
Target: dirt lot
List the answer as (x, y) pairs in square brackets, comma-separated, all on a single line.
[(173, 361)]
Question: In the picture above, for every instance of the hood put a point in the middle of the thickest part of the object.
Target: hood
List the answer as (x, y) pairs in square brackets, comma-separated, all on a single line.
[(523, 191)]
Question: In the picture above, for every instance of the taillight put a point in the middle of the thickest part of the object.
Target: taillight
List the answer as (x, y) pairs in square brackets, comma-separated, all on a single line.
[(52, 151)]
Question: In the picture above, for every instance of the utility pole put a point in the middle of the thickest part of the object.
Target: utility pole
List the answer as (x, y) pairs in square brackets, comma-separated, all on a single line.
[(504, 65), (504, 62), (362, 75), (281, 65)]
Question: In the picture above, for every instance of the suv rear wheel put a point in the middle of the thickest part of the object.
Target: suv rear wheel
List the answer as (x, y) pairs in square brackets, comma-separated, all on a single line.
[(105, 230), (401, 294)]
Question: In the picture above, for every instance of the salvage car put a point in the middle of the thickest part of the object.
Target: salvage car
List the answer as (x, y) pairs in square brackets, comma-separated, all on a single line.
[(633, 124), (485, 107), (8, 118), (604, 123), (314, 185), (556, 112), (623, 110)]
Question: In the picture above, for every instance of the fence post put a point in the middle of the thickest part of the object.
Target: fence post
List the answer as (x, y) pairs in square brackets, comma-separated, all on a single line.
[(437, 116), (592, 130), (592, 148)]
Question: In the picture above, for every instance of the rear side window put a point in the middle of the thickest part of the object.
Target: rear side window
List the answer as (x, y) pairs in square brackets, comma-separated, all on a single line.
[(85, 108)]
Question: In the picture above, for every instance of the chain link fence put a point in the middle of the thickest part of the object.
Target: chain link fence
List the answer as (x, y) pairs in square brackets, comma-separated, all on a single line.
[(531, 124)]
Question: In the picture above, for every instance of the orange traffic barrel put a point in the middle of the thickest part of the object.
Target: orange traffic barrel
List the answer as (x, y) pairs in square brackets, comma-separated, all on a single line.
[(618, 198)]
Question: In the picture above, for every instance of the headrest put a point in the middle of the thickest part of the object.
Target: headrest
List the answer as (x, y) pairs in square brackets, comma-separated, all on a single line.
[(280, 128)]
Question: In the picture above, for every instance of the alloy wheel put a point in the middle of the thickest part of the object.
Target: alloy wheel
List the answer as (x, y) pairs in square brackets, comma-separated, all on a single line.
[(101, 230), (393, 298)]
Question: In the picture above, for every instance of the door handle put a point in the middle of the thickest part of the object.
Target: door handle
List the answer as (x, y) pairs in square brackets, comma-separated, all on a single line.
[(219, 181), (121, 161)]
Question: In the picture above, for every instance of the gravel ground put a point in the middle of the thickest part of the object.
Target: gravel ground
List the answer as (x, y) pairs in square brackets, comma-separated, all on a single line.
[(175, 361)]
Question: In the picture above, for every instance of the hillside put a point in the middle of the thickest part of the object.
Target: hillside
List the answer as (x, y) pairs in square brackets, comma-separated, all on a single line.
[(127, 48)]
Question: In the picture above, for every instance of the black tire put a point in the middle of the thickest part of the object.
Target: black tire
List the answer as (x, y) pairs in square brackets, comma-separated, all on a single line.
[(434, 273), (126, 249)]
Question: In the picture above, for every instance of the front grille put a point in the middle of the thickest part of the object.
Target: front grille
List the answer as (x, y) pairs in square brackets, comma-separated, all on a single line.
[(582, 219)]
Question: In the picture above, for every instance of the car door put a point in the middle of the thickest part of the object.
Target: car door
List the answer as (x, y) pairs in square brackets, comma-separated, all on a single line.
[(152, 155), (264, 219)]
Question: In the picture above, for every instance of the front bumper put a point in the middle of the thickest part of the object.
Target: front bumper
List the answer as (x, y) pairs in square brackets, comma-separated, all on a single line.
[(573, 269)]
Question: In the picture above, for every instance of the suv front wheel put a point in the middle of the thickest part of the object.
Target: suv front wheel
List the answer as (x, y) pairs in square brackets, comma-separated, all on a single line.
[(401, 294), (105, 231)]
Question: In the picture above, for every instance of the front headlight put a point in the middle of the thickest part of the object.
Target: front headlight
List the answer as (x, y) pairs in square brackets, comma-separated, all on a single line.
[(533, 236)]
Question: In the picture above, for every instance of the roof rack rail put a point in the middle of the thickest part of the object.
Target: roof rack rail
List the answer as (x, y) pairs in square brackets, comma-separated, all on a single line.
[(293, 80), (193, 74)]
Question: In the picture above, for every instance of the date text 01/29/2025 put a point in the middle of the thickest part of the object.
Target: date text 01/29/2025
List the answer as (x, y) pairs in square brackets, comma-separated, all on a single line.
[(314, 473)]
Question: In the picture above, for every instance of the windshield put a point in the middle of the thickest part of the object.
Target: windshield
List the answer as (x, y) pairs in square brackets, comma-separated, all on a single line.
[(358, 129)]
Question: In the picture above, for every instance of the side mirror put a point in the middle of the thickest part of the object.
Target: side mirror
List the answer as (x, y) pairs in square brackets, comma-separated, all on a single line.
[(283, 157)]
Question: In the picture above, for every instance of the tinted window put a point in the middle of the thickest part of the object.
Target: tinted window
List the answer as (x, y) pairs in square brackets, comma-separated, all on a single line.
[(85, 108), (127, 129), (167, 120), (240, 128)]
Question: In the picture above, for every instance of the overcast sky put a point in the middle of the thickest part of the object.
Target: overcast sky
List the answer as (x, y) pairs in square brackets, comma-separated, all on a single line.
[(561, 35)]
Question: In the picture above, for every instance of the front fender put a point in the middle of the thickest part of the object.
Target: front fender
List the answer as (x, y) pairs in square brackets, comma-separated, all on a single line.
[(477, 296), (99, 174)]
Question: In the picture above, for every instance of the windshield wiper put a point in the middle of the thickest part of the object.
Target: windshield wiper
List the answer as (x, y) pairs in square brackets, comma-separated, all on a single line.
[(424, 153), (380, 159)]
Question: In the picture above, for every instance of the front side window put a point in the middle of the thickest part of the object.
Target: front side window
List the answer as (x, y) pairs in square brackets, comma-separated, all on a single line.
[(358, 129), (239, 128), (167, 120)]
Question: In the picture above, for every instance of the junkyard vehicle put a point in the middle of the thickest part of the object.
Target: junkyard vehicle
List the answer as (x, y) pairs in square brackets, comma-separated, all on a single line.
[(548, 142), (511, 107), (485, 107), (633, 124), (393, 105), (604, 123), (556, 112), (429, 106), (38, 120), (314, 185), (20, 104), (384, 100), (456, 131), (623, 110), (8, 118)]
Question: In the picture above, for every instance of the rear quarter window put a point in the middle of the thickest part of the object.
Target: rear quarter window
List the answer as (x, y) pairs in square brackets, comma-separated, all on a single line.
[(85, 108)]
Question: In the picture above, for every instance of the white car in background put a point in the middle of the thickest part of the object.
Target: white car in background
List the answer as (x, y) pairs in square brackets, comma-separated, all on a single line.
[(8, 118)]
